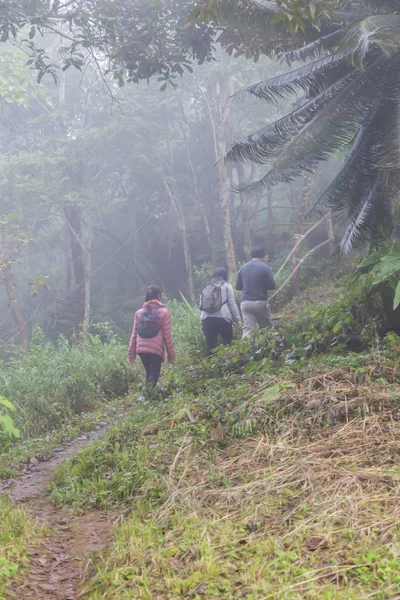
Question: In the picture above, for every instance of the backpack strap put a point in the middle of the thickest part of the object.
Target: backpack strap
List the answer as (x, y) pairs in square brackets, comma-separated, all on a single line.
[(223, 286)]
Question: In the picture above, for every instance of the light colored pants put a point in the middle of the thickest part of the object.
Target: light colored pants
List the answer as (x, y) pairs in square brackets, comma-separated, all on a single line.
[(255, 314)]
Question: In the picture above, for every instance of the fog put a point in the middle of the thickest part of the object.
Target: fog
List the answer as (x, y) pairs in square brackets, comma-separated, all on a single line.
[(107, 189)]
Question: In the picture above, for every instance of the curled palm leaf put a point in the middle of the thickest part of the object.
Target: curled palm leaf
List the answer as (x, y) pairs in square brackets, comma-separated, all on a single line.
[(377, 31)]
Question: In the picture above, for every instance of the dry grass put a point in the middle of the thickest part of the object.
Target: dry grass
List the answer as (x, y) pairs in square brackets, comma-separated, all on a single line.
[(334, 494), (312, 511)]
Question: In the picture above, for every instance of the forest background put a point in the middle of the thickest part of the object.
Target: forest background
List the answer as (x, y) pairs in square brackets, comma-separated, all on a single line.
[(107, 189)]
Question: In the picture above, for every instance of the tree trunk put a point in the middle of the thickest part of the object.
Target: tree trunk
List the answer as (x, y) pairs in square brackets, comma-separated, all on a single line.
[(244, 201), (23, 330), (67, 260), (180, 216), (88, 278), (184, 127), (330, 232), (217, 104), (73, 217), (224, 201)]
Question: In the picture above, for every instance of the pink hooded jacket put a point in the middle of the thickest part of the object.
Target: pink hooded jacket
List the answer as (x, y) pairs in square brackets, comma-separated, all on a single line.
[(155, 345)]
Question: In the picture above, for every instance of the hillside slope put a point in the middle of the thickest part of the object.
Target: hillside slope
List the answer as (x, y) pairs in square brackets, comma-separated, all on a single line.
[(268, 471)]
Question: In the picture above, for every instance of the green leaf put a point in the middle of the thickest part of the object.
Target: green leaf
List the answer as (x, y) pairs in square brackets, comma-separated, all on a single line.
[(396, 299), (6, 423), (7, 404)]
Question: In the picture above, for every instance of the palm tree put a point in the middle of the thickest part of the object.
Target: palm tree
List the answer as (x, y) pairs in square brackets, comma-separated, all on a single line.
[(351, 103)]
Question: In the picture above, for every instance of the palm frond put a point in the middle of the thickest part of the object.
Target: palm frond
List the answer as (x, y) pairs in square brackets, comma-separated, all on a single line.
[(378, 6), (340, 192), (362, 223), (385, 144), (314, 49), (261, 145), (331, 130), (296, 81), (369, 154)]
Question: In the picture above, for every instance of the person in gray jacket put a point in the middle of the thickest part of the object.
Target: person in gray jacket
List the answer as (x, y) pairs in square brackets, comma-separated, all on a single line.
[(220, 322), (254, 280)]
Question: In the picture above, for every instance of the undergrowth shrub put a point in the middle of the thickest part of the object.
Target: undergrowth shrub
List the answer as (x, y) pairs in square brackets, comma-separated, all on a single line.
[(54, 380), (346, 323), (186, 333)]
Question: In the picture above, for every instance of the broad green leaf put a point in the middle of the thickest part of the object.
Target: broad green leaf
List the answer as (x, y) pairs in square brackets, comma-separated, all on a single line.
[(6, 423), (7, 404), (396, 300)]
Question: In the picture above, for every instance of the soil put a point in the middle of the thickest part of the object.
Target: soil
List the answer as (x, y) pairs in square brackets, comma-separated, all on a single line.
[(59, 565)]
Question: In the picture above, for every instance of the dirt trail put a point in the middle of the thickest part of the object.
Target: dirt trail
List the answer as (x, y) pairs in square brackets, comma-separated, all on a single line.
[(59, 564)]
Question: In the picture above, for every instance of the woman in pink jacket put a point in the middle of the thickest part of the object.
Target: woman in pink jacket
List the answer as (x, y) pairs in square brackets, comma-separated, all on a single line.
[(151, 333)]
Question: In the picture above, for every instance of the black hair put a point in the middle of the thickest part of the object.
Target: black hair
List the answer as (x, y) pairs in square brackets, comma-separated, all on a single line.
[(153, 293), (258, 252), (220, 273)]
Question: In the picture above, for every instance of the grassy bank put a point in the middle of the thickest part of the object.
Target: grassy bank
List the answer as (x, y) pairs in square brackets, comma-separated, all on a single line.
[(52, 383), (291, 493), (267, 471)]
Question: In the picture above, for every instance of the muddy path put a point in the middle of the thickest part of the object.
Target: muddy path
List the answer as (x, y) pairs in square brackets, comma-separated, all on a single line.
[(37, 475), (64, 558)]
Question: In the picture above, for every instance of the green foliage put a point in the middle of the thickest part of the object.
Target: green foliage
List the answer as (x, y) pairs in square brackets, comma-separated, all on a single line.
[(54, 380), (383, 268), (16, 534), (201, 276), (187, 336), (7, 427), (16, 83), (298, 15), (345, 322)]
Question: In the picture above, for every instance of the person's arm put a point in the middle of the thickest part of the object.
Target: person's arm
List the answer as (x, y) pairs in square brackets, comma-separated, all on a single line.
[(270, 279), (239, 281), (166, 327), (132, 342), (232, 303)]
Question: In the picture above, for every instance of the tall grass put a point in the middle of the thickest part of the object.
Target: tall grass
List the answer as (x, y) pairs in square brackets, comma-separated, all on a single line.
[(188, 339), (56, 380)]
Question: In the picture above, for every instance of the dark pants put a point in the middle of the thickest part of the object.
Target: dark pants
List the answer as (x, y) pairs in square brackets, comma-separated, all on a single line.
[(152, 365), (212, 328)]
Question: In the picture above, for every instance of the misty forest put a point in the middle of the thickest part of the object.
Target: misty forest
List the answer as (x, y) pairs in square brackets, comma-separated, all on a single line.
[(199, 299)]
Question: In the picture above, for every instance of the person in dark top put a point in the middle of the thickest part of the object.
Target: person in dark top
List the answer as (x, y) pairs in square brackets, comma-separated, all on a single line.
[(254, 280)]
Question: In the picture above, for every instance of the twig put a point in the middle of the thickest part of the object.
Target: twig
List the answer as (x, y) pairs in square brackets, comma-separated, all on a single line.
[(300, 241), (328, 241)]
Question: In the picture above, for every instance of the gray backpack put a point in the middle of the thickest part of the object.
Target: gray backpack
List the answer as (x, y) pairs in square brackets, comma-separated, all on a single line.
[(211, 298)]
